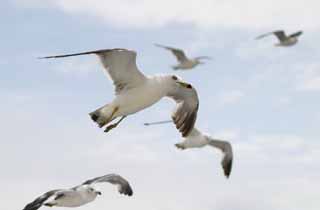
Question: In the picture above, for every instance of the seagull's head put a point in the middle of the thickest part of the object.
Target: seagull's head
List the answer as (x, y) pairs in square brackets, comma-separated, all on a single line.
[(180, 83), (93, 192)]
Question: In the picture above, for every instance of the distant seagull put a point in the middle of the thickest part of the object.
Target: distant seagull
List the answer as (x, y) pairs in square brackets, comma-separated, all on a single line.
[(184, 62), (285, 41), (134, 91), (79, 195), (196, 139)]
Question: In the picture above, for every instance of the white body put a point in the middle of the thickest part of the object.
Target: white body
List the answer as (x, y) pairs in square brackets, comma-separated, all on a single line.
[(187, 64), (288, 42), (136, 99), (75, 198), (194, 140)]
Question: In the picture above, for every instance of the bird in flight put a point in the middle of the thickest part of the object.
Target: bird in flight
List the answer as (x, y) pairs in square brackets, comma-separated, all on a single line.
[(284, 40), (196, 139), (79, 195), (185, 63), (134, 91)]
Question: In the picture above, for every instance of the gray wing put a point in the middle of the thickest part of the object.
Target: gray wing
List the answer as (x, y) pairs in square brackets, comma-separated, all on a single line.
[(181, 57), (203, 57), (296, 34), (123, 185), (38, 202), (279, 34), (227, 159), (185, 114), (120, 65)]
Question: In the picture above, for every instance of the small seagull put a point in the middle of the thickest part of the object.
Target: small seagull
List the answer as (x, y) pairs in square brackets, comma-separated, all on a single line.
[(285, 41), (185, 63), (196, 139), (134, 91), (79, 195)]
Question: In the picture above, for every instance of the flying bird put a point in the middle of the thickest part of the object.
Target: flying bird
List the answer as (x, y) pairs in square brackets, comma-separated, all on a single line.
[(134, 91), (285, 41), (197, 139), (185, 63), (79, 195)]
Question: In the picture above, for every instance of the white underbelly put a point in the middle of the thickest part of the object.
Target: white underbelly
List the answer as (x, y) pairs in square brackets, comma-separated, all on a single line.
[(195, 142), (289, 42), (75, 201), (187, 65), (137, 99)]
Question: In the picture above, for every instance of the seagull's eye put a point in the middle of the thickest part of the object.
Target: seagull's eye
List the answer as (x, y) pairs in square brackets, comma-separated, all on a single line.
[(189, 86), (174, 77)]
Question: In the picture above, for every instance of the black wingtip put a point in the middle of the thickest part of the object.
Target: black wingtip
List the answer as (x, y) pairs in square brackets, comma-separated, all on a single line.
[(227, 169), (128, 191)]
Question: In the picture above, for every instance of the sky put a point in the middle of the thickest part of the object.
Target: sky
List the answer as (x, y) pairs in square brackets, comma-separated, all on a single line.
[(263, 99)]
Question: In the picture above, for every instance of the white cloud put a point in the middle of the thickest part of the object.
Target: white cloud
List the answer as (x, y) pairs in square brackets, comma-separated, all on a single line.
[(230, 97), (309, 78), (205, 13)]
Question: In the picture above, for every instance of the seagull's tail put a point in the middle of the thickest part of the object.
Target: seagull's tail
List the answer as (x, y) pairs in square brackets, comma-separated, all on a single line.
[(103, 115)]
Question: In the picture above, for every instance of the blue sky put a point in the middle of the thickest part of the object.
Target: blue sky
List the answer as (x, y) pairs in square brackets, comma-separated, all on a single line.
[(261, 98)]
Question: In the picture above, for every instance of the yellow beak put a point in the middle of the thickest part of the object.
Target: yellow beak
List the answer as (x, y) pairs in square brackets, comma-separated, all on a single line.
[(183, 84)]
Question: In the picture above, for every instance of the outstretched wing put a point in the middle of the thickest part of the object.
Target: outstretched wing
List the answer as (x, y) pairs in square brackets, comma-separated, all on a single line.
[(123, 185), (227, 159), (120, 65), (280, 34), (185, 114), (203, 57), (38, 202), (181, 57), (296, 34)]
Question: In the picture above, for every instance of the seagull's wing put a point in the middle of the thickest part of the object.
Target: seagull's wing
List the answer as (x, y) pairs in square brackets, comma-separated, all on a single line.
[(226, 148), (123, 185), (120, 65), (38, 202), (203, 57), (181, 57), (298, 33), (279, 34), (185, 114)]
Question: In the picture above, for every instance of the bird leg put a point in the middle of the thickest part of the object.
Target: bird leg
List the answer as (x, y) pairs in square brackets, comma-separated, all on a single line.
[(110, 127)]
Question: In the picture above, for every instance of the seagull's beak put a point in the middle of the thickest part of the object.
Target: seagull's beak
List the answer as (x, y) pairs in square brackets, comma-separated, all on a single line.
[(183, 84), (99, 193)]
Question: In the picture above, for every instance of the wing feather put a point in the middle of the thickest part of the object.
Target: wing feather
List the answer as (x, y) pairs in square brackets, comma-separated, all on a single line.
[(227, 159), (298, 33), (38, 202), (120, 65), (280, 34), (185, 114), (123, 185), (178, 53)]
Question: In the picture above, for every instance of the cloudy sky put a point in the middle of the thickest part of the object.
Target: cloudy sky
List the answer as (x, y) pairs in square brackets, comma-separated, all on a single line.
[(263, 99)]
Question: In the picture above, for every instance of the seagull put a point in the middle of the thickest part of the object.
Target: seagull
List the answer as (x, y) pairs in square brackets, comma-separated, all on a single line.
[(285, 41), (134, 91), (197, 139), (185, 63), (79, 195)]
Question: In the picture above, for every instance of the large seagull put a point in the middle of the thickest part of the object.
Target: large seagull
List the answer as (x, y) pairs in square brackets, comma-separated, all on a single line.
[(79, 195), (134, 91), (185, 63)]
